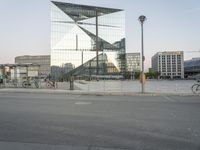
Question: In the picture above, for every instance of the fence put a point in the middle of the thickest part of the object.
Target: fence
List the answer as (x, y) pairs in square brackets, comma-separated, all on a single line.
[(111, 86), (134, 86)]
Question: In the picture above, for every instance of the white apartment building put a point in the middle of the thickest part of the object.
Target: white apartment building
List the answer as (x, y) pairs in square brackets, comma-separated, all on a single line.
[(170, 64), (133, 62)]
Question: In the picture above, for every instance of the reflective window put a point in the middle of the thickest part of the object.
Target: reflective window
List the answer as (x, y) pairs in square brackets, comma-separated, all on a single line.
[(73, 36)]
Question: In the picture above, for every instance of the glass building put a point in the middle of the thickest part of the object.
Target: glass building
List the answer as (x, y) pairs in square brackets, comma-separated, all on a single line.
[(192, 67), (87, 40)]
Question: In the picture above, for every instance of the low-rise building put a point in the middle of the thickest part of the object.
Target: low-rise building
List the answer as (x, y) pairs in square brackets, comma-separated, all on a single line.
[(42, 60), (19, 72)]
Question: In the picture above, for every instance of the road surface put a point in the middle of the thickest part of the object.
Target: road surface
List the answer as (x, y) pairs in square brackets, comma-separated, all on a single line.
[(84, 122)]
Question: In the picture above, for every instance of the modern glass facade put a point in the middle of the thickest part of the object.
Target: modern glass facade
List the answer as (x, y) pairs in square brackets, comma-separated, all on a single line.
[(87, 37), (192, 67)]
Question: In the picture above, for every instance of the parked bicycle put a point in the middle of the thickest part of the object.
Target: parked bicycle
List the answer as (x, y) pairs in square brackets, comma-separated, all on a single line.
[(196, 87), (28, 84), (50, 83)]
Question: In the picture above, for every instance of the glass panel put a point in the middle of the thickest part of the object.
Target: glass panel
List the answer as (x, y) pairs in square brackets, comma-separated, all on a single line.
[(73, 39)]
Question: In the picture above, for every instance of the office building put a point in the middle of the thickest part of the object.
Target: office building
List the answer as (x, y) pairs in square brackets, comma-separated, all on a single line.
[(169, 64), (192, 67), (87, 40), (42, 60), (133, 62)]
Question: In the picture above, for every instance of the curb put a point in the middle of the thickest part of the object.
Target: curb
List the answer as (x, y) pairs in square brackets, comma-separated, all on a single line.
[(78, 92)]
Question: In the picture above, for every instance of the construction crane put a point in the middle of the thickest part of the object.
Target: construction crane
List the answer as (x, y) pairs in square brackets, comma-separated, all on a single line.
[(198, 51)]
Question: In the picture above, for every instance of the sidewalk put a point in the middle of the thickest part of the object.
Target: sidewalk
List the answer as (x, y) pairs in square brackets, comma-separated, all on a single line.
[(38, 146), (80, 92)]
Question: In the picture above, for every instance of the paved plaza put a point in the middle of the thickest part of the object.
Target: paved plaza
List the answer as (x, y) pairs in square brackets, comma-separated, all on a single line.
[(151, 86)]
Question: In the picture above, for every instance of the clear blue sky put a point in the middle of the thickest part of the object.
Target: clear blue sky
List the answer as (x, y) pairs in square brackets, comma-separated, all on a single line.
[(171, 25)]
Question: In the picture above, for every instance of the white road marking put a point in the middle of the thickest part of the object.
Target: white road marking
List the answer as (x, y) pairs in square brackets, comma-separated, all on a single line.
[(83, 103), (168, 98)]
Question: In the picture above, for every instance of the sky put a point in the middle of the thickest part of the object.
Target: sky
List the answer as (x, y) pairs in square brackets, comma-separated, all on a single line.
[(170, 25)]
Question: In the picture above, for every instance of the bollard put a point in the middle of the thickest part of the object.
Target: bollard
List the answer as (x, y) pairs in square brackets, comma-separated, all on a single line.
[(71, 83)]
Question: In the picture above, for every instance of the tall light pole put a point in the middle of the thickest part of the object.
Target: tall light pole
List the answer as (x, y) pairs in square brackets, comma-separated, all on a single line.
[(142, 18), (97, 44)]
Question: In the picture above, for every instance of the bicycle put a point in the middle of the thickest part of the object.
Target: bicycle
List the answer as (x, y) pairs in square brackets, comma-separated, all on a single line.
[(28, 84), (50, 84), (196, 88)]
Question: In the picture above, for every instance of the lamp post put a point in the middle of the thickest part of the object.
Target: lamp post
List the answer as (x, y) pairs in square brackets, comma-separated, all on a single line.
[(97, 44), (142, 18)]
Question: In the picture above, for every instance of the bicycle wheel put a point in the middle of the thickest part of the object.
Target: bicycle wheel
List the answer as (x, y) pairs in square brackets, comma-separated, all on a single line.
[(48, 85), (195, 88), (198, 89), (25, 84), (36, 84)]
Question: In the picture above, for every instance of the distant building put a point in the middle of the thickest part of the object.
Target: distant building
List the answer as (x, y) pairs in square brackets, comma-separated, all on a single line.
[(192, 67), (150, 70), (42, 60), (169, 64), (19, 72), (133, 62)]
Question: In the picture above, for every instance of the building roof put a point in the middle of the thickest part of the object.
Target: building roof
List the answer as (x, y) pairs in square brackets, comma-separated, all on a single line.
[(79, 12), (170, 52), (192, 62), (18, 65), (25, 56)]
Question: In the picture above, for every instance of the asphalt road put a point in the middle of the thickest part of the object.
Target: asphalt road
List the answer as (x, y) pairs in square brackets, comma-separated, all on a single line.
[(65, 122)]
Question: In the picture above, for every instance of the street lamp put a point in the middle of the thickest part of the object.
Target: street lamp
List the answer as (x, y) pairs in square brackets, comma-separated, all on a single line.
[(142, 18), (97, 44)]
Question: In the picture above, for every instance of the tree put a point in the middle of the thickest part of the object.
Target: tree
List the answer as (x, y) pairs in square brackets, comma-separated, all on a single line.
[(137, 75), (127, 75), (152, 75)]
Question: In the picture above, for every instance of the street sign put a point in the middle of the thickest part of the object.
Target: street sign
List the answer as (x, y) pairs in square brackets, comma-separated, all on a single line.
[(144, 78), (143, 58)]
